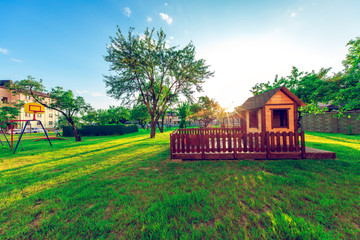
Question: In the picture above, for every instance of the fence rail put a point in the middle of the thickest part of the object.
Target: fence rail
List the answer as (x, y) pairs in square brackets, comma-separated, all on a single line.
[(231, 143)]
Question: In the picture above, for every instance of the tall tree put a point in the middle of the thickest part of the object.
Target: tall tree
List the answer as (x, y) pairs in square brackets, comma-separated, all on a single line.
[(112, 115), (62, 101), (140, 113), (311, 88), (145, 66), (208, 111), (183, 111), (349, 81)]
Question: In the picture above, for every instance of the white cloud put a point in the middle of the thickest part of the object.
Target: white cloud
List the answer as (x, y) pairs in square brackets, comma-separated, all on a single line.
[(4, 51), (93, 94), (171, 38), (165, 4), (293, 14), (127, 11), (148, 19), (15, 60), (81, 91), (166, 17), (97, 94)]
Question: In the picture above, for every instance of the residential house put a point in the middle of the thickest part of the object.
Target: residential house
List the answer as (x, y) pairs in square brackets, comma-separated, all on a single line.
[(48, 119)]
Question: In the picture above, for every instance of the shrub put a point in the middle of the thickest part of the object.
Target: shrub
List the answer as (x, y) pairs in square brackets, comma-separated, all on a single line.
[(101, 130)]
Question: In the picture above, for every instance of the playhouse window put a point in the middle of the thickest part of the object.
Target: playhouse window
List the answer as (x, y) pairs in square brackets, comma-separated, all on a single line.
[(280, 118), (253, 119)]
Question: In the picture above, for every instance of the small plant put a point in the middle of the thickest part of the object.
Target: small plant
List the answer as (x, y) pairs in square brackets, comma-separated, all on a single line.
[(182, 124), (350, 128)]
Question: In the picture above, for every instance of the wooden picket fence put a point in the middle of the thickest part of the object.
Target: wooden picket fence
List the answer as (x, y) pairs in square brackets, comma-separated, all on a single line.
[(232, 143)]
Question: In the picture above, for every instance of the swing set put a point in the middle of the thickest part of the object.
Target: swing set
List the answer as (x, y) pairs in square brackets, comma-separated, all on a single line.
[(31, 108)]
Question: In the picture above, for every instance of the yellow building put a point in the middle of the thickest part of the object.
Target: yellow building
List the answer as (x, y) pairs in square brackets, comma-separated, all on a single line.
[(48, 119)]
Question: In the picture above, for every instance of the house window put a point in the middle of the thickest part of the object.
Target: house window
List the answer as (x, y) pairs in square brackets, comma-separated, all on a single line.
[(27, 97), (280, 118), (50, 115), (27, 114), (253, 119), (50, 123)]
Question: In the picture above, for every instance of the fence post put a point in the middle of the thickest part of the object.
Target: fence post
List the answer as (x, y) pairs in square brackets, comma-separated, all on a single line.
[(267, 145), (171, 146), (303, 151), (202, 135)]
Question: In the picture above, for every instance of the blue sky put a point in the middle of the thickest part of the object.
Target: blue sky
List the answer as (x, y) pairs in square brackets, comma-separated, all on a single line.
[(245, 42)]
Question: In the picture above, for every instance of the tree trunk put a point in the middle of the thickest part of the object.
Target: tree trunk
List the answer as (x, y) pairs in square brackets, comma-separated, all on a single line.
[(161, 125), (77, 137), (142, 124), (153, 128)]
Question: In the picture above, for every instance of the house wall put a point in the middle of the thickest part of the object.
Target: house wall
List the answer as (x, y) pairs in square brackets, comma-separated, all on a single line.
[(48, 119), (172, 120), (280, 101)]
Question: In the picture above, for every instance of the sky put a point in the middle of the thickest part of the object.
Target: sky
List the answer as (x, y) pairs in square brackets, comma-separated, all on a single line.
[(245, 42)]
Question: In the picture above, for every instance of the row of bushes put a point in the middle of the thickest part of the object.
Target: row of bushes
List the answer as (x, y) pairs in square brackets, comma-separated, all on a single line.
[(100, 130)]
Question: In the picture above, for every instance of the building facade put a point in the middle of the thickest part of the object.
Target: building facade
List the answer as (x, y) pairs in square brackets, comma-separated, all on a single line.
[(171, 118), (48, 119)]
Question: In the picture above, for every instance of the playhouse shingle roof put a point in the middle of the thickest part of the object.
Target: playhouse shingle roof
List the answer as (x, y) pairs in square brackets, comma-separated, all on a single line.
[(260, 100)]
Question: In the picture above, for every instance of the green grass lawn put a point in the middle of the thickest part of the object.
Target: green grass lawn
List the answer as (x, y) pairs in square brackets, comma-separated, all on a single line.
[(126, 187)]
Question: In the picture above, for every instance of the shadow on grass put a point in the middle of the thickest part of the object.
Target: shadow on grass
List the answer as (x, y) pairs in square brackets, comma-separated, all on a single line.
[(72, 156)]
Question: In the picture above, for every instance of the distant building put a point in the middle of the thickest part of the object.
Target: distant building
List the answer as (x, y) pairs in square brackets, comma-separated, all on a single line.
[(171, 118), (48, 119)]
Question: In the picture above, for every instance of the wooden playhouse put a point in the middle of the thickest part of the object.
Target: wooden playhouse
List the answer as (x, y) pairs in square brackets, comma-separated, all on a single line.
[(273, 111), (269, 130)]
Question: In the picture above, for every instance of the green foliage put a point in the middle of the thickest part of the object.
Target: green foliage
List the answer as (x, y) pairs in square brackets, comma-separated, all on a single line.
[(8, 113), (182, 123), (89, 118), (113, 115), (145, 67), (103, 130), (311, 88), (183, 110), (206, 109), (139, 112), (63, 122), (348, 96)]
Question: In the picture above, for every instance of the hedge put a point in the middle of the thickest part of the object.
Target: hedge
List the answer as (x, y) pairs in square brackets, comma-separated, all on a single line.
[(100, 130)]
